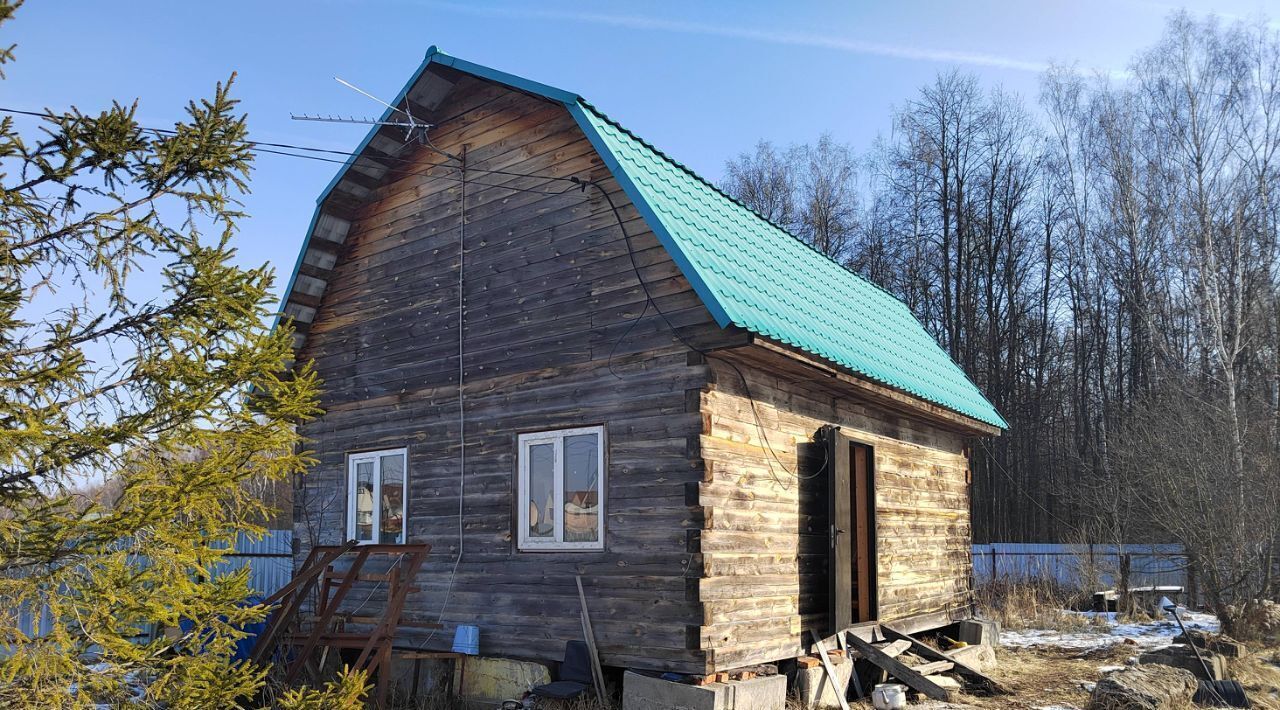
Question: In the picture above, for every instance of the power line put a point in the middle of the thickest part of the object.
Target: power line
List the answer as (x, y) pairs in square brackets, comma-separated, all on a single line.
[(429, 176), (283, 148), (649, 300)]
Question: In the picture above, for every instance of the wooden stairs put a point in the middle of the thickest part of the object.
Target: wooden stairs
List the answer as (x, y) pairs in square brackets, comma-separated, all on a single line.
[(882, 646)]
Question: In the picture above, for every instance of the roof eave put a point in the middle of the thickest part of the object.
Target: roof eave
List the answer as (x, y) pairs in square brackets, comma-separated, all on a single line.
[(937, 413), (432, 54), (651, 219)]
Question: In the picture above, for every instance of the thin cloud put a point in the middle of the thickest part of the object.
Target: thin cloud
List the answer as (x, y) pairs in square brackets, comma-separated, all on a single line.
[(802, 39)]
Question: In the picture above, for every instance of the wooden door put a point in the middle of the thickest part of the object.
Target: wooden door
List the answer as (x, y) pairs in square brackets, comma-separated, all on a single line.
[(852, 530)]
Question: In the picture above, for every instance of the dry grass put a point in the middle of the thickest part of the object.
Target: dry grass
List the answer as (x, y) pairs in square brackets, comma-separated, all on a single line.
[(1259, 673), (1038, 677), (1257, 621), (1032, 604), (438, 700), (1044, 675), (1043, 603)]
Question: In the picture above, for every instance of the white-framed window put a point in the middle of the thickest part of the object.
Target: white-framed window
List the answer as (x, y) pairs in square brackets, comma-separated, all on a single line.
[(561, 488), (376, 482)]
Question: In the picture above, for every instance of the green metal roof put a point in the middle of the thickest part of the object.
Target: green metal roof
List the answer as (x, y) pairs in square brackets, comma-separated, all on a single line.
[(755, 275)]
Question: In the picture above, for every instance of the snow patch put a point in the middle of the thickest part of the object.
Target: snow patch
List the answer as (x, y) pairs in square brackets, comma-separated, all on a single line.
[(1104, 629)]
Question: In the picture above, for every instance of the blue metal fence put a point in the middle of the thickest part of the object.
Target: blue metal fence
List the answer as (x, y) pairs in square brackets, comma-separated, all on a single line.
[(270, 563), (1075, 565), (270, 560)]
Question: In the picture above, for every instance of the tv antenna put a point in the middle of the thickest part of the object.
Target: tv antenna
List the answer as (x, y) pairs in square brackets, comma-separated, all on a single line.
[(413, 127)]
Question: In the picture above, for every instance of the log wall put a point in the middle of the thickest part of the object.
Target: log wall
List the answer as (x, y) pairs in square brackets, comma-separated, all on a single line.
[(550, 293), (764, 541), (715, 552)]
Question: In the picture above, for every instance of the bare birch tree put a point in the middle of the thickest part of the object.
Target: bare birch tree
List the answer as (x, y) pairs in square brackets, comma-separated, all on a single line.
[(1106, 270)]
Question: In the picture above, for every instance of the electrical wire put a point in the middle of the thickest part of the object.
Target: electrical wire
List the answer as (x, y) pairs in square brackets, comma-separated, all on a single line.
[(283, 150), (312, 149), (462, 411), (429, 176), (649, 300)]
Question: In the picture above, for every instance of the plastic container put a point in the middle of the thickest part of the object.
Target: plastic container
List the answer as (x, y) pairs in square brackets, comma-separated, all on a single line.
[(889, 696), (467, 640)]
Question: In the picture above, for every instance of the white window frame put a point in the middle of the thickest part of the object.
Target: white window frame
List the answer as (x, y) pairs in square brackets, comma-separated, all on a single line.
[(376, 458), (556, 438)]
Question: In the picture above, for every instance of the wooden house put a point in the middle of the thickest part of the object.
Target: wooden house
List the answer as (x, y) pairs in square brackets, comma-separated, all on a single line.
[(550, 350)]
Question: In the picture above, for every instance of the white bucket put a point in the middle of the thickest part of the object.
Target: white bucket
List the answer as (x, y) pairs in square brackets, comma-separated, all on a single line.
[(889, 696)]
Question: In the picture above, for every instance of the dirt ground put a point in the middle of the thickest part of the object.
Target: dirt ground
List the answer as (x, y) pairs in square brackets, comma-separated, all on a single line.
[(1052, 678)]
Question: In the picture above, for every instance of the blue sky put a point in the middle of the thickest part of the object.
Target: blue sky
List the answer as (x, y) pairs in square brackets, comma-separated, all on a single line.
[(701, 80)]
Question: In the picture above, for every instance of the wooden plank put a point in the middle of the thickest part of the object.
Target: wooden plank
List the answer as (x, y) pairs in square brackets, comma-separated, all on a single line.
[(294, 594), (830, 671), (853, 674), (841, 566), (328, 606), (893, 649), (934, 668), (885, 395), (597, 674), (934, 654), (899, 670), (864, 545)]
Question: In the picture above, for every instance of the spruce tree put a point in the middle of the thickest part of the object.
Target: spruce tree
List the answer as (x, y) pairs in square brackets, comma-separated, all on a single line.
[(131, 418)]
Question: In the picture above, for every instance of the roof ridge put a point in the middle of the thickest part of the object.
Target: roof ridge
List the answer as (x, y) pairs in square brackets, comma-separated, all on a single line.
[(692, 173)]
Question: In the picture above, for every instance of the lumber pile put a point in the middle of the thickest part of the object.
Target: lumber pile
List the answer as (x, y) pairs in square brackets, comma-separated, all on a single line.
[(926, 670)]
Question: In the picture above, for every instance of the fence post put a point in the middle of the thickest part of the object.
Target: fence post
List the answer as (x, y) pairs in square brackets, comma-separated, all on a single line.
[(1193, 584), (993, 562), (1123, 605)]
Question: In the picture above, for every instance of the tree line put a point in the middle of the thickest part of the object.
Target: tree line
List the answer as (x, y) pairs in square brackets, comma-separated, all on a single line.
[(1103, 264)]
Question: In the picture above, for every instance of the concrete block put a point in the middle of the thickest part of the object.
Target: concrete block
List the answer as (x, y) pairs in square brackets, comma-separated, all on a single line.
[(641, 692), (979, 632), (1228, 648), (761, 693), (814, 690), (980, 658), (496, 679), (1225, 645), (1180, 656)]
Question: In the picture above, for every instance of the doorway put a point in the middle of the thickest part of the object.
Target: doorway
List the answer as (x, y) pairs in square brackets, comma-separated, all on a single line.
[(851, 501)]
